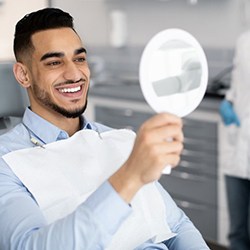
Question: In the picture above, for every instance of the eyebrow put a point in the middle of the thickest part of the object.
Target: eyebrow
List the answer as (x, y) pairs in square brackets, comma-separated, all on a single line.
[(81, 50), (61, 54)]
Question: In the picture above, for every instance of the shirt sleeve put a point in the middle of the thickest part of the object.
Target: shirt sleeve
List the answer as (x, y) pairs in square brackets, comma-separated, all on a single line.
[(188, 237), (23, 226)]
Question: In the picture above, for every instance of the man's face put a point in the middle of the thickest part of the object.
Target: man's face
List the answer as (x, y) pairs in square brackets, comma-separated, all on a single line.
[(59, 73)]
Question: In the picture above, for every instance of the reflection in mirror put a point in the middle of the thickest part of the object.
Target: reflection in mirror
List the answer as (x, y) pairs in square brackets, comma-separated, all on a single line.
[(175, 68), (173, 72)]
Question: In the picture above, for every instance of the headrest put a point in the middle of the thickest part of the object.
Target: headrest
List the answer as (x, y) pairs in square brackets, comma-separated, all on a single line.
[(13, 98)]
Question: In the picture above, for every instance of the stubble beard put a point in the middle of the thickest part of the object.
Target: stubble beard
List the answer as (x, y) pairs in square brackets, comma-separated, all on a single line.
[(43, 97)]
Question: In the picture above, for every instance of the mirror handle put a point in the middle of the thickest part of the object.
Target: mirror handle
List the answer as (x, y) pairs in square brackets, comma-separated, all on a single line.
[(167, 170)]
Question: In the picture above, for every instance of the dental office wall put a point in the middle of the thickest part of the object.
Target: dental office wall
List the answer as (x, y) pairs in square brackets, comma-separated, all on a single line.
[(215, 23), (10, 12)]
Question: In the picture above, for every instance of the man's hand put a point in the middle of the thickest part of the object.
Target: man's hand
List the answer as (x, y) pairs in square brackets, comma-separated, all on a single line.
[(159, 143)]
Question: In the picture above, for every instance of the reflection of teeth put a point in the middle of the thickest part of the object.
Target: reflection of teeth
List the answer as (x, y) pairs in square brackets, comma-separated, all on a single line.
[(70, 90)]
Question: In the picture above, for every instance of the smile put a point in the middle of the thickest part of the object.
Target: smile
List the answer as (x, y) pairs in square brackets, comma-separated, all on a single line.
[(70, 90)]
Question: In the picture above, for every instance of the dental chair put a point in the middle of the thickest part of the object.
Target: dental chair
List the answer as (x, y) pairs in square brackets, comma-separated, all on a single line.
[(13, 98)]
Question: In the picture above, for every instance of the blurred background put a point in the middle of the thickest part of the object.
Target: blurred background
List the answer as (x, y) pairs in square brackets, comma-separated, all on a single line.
[(115, 33)]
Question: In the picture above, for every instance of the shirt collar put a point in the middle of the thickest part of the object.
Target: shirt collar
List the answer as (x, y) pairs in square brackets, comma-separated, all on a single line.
[(45, 131)]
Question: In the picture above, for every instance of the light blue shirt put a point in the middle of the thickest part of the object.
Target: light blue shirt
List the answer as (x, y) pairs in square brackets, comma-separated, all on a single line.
[(92, 225)]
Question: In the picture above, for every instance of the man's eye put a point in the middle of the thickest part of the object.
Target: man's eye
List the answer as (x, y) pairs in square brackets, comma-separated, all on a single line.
[(80, 59), (54, 63)]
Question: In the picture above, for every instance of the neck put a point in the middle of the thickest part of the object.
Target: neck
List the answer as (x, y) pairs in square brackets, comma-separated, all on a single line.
[(70, 125)]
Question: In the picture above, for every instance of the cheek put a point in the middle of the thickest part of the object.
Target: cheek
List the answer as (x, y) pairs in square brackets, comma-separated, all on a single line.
[(47, 79), (88, 72), (85, 70), (44, 82), (44, 78)]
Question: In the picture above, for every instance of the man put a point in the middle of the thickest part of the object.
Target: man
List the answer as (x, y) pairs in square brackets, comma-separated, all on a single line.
[(52, 66)]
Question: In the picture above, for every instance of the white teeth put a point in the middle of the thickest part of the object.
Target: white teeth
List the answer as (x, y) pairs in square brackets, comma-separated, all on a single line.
[(70, 90)]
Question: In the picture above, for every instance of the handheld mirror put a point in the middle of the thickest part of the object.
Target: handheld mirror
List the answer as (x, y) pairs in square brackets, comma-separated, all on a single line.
[(173, 73)]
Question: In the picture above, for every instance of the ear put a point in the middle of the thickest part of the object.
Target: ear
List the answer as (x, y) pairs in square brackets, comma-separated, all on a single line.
[(21, 74)]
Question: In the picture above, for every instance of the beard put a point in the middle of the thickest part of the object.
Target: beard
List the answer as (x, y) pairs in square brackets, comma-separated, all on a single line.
[(43, 97)]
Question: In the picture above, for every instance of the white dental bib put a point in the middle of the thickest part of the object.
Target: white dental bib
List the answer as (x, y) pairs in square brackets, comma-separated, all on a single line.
[(65, 173)]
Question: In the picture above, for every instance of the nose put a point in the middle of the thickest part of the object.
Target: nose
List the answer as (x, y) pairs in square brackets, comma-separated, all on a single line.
[(72, 72)]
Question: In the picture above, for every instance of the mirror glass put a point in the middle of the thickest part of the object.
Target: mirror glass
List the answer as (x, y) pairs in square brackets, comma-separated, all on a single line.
[(173, 72)]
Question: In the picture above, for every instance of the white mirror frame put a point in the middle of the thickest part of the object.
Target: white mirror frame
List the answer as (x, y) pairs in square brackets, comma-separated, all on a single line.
[(180, 104)]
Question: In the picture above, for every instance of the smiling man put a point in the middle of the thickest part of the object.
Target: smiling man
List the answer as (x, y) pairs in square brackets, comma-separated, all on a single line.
[(79, 190), (57, 76)]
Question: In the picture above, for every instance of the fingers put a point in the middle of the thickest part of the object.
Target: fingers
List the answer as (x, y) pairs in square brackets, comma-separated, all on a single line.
[(173, 147), (162, 127), (165, 153), (168, 133), (162, 119), (160, 140)]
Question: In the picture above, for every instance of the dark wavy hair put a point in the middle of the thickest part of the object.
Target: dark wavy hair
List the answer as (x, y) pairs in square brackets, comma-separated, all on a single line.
[(48, 18)]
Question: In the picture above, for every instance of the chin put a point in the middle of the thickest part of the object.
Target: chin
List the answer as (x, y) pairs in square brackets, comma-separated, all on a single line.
[(70, 113)]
